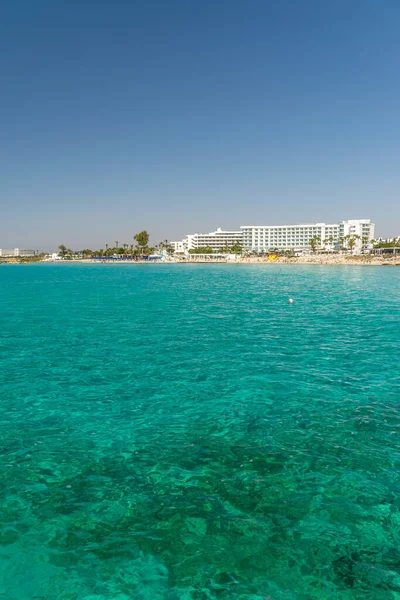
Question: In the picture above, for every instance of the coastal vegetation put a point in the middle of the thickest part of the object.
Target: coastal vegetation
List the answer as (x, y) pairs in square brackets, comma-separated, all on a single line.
[(315, 242), (234, 249), (201, 250), (330, 241), (139, 249), (349, 242), (64, 251), (394, 243), (142, 243)]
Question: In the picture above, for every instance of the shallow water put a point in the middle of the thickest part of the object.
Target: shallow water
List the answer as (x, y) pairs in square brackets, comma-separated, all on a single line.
[(183, 433)]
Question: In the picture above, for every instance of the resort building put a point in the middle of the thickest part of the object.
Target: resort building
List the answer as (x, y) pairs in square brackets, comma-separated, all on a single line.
[(179, 247), (216, 240), (264, 238), (298, 237), (15, 252), (393, 240)]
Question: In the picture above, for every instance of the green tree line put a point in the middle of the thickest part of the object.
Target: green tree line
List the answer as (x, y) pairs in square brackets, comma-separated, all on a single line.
[(140, 248), (234, 249), (395, 243)]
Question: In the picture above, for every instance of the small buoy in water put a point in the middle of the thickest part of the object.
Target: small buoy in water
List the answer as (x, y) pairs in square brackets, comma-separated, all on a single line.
[(290, 300)]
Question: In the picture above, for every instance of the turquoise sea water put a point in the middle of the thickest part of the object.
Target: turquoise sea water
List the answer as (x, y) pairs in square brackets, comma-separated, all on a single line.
[(183, 433)]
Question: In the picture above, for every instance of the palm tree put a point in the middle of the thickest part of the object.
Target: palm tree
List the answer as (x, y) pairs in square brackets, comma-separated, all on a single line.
[(365, 242), (117, 244), (352, 241), (62, 250), (327, 243), (142, 241), (346, 239), (236, 248), (314, 242)]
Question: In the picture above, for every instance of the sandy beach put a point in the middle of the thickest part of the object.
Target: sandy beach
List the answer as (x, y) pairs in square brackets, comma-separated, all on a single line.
[(363, 260)]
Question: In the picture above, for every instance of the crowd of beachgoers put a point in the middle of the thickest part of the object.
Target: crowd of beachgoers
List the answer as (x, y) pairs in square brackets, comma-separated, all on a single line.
[(334, 259), (309, 259)]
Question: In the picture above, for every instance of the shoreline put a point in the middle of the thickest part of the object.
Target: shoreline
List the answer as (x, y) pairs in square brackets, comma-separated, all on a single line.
[(366, 261)]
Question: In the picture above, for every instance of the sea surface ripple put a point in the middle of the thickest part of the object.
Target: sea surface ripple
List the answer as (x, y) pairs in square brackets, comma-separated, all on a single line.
[(182, 432)]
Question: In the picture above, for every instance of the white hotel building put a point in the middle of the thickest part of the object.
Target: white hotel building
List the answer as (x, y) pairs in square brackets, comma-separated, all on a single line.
[(217, 240), (262, 238), (15, 252), (298, 237)]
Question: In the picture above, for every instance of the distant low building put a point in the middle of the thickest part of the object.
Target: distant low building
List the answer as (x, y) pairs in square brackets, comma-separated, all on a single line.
[(386, 245), (15, 252), (179, 247), (393, 240)]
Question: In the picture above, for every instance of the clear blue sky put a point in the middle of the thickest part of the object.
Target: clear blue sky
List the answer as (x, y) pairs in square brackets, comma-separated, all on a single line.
[(180, 115)]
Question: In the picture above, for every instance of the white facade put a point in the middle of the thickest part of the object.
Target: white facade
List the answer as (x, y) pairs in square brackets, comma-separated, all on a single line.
[(178, 246), (9, 253), (392, 240), (217, 240), (298, 237), (359, 227)]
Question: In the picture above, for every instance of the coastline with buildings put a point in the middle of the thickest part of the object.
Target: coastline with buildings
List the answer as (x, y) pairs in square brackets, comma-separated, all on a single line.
[(345, 242), (386, 259), (297, 238)]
